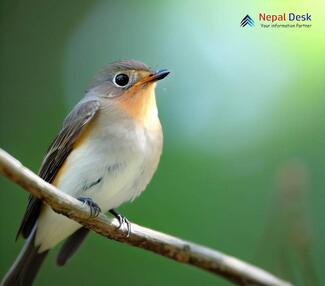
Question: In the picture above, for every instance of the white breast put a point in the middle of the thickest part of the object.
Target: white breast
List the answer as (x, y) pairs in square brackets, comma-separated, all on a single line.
[(123, 156)]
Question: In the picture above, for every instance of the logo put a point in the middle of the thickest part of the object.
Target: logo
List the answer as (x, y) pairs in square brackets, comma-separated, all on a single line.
[(247, 20), (281, 20)]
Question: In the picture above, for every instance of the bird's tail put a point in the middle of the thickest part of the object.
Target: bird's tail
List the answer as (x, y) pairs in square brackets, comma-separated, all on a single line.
[(26, 265)]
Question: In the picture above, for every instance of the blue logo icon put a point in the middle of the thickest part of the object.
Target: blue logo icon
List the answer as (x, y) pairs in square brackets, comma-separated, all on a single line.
[(247, 20)]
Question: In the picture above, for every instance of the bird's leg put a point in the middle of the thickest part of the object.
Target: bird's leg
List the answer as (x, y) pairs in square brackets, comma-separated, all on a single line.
[(122, 220), (94, 208)]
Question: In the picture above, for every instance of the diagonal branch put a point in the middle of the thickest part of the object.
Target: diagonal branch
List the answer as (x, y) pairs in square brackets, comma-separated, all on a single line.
[(231, 268)]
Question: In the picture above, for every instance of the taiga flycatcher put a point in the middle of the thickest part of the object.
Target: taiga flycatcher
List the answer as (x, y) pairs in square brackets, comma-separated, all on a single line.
[(105, 154)]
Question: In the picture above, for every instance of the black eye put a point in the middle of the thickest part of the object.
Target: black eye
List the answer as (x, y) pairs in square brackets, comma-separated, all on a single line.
[(121, 79)]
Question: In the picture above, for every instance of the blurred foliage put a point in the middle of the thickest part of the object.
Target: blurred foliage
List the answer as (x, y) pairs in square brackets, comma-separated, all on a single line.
[(243, 113)]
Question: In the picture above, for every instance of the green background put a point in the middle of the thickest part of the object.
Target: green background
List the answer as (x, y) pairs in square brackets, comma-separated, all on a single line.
[(243, 114)]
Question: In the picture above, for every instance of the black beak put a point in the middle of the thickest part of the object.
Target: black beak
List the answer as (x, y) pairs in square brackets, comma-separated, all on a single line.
[(160, 74)]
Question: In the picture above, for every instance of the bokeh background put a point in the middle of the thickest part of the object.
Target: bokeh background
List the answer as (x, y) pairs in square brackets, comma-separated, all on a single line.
[(243, 113)]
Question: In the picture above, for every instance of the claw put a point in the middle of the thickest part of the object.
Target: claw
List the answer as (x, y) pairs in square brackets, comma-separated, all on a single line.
[(122, 220), (94, 208)]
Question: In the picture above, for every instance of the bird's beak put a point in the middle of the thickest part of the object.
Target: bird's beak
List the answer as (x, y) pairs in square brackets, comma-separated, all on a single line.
[(158, 75)]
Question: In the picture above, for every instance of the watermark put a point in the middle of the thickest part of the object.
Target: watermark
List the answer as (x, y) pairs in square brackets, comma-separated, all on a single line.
[(282, 20)]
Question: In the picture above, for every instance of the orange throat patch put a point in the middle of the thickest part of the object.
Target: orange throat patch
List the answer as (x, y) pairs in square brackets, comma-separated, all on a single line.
[(140, 103)]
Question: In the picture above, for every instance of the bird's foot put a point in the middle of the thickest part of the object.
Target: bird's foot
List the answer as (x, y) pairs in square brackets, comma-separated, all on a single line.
[(94, 208), (122, 220)]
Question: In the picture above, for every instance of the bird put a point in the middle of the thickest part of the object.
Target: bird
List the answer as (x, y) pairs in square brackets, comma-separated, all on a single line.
[(105, 154)]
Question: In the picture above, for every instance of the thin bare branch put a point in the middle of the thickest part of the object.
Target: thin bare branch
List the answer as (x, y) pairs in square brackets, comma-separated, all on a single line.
[(231, 268)]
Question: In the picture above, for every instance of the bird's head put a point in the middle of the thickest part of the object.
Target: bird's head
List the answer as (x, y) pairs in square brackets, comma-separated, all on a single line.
[(129, 85)]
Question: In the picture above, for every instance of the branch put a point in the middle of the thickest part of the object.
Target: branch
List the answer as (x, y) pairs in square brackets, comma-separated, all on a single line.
[(166, 245)]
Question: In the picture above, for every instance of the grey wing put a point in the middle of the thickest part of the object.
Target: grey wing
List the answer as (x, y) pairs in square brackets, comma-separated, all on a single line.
[(59, 150)]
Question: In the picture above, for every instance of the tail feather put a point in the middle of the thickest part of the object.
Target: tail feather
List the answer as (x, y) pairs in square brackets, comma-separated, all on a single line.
[(26, 265), (71, 245)]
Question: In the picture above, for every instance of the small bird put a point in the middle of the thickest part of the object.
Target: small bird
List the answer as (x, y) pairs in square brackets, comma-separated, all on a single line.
[(105, 154)]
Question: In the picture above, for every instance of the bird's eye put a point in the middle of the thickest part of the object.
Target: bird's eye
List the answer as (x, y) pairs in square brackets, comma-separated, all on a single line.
[(121, 79)]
